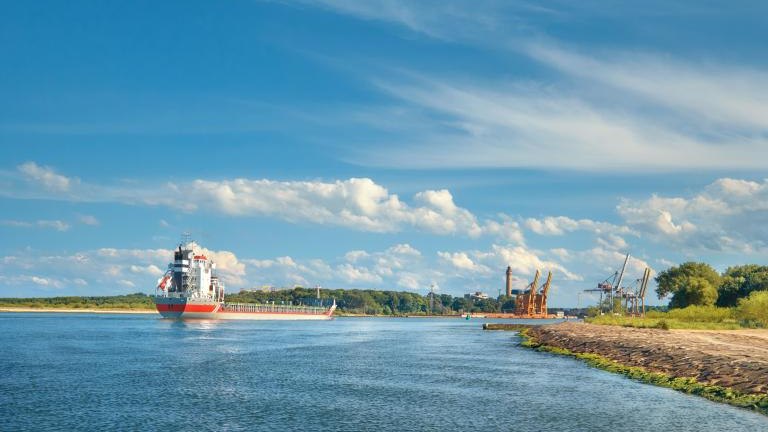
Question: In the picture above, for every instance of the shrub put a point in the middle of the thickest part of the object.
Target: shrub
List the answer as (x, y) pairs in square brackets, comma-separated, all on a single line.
[(754, 309)]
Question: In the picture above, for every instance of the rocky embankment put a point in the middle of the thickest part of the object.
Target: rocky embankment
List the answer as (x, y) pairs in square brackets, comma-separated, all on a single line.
[(736, 359)]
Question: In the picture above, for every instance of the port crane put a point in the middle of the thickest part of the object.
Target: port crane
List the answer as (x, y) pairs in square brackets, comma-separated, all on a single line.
[(533, 304), (611, 288)]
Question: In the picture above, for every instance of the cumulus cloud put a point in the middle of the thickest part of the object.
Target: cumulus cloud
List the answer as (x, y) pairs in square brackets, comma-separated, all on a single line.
[(461, 260), (357, 203), (149, 269), (399, 265), (505, 228), (106, 270), (727, 215), (352, 274), (559, 225)]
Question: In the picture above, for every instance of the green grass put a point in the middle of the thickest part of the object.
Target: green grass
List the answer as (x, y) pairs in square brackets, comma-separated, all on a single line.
[(662, 323), (755, 402), (692, 317)]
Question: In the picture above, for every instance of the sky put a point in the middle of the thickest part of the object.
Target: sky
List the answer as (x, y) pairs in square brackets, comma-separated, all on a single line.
[(381, 144)]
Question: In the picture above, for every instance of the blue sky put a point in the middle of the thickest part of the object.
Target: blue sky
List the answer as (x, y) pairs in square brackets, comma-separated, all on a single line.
[(380, 144)]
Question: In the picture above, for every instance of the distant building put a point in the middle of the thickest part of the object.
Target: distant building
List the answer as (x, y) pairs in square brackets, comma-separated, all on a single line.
[(477, 295)]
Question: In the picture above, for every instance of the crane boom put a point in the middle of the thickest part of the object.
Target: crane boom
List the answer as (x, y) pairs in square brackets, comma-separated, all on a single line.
[(541, 300), (532, 293), (617, 288)]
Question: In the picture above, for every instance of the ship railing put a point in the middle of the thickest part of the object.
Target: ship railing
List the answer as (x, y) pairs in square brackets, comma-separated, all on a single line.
[(274, 308)]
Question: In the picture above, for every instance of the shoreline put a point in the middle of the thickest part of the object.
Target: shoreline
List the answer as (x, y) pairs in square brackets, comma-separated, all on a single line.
[(727, 366), (75, 310)]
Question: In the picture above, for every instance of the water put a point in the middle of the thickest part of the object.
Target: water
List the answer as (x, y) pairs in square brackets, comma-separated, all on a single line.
[(138, 372)]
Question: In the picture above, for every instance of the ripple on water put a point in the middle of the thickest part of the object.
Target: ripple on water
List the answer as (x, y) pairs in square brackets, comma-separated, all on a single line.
[(95, 372)]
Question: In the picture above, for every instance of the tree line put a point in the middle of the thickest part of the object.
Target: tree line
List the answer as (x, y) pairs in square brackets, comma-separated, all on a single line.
[(742, 289), (378, 302), (698, 284), (351, 301)]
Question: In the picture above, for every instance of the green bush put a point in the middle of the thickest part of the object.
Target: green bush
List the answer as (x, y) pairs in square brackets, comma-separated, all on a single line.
[(754, 309)]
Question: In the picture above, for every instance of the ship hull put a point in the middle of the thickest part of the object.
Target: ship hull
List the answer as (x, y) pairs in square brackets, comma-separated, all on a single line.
[(179, 308)]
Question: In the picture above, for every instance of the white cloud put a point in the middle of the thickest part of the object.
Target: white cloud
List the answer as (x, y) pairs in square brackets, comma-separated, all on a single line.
[(355, 255), (149, 269), (45, 176), (89, 220), (353, 274), (524, 261), (410, 281), (505, 229), (461, 261), (54, 224), (523, 124), (28, 283), (711, 93), (559, 225), (357, 203), (40, 281), (404, 249), (727, 215), (455, 20), (16, 223), (608, 261)]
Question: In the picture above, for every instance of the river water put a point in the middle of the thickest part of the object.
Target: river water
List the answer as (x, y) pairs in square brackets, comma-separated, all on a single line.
[(139, 372)]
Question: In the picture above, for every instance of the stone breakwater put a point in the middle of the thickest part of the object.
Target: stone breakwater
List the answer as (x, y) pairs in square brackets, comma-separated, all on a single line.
[(736, 359)]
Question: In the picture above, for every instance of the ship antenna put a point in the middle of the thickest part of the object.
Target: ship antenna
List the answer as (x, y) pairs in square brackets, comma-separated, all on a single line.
[(186, 238)]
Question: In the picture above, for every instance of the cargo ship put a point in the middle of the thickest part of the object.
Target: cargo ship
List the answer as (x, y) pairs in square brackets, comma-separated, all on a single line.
[(190, 288)]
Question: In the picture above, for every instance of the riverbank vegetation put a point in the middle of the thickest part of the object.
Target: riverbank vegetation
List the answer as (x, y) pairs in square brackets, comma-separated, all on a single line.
[(702, 299), (376, 302), (136, 301), (349, 302)]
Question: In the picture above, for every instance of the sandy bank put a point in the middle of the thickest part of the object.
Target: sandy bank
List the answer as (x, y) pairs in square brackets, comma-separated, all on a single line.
[(98, 311), (736, 359)]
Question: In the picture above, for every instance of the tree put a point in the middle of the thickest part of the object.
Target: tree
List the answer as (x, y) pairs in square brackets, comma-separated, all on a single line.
[(740, 281), (754, 309), (695, 291), (507, 304), (672, 279)]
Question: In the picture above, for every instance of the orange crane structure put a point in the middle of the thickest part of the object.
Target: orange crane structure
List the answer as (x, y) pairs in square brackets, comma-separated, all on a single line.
[(533, 304)]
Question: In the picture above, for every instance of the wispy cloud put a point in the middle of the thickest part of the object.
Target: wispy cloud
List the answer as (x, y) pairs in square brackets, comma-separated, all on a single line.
[(524, 124), (624, 109), (52, 224), (708, 95)]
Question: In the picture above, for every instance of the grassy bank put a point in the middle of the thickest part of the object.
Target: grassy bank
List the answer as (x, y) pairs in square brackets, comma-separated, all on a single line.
[(756, 402), (692, 317)]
